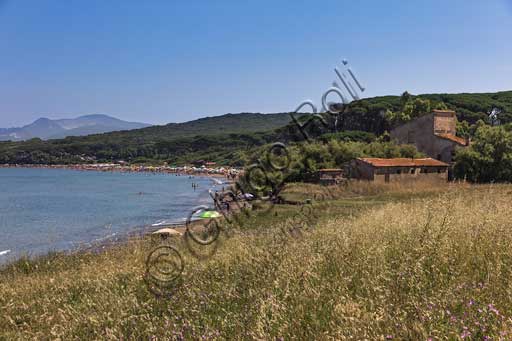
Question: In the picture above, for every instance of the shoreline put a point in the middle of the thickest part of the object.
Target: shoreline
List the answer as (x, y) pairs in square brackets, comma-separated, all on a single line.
[(97, 245), (121, 237), (102, 244), (229, 173)]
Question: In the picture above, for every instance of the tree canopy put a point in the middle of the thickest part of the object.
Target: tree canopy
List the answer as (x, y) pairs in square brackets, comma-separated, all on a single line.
[(488, 158)]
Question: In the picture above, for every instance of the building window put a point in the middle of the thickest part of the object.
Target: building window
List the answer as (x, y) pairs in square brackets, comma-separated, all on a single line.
[(411, 137)]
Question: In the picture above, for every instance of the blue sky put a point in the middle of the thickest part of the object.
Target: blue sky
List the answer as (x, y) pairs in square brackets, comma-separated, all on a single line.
[(173, 61)]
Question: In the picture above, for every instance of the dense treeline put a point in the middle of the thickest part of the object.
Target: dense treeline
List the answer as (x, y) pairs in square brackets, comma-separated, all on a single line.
[(489, 157), (221, 148), (301, 161), (372, 114), (229, 139), (212, 138)]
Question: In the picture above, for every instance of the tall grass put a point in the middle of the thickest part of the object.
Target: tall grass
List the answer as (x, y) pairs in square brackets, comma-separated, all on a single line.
[(437, 267), (368, 188)]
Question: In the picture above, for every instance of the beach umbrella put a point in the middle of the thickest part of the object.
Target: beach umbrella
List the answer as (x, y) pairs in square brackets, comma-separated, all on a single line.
[(209, 214)]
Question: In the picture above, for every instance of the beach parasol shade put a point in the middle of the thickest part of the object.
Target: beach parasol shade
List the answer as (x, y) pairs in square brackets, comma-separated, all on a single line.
[(209, 214)]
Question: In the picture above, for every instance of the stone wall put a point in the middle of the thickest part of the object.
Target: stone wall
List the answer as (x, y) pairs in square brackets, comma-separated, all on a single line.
[(421, 133), (404, 174), (361, 170), (364, 171), (445, 123)]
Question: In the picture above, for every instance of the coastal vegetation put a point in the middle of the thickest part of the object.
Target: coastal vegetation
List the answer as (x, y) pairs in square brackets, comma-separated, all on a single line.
[(224, 139), (489, 157), (372, 261), (305, 159), (176, 142)]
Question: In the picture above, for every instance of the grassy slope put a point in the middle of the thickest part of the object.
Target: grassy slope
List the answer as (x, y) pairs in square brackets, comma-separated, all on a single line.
[(405, 263)]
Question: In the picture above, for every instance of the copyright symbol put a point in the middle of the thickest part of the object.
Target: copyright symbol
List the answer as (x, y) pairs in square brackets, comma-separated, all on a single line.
[(164, 266)]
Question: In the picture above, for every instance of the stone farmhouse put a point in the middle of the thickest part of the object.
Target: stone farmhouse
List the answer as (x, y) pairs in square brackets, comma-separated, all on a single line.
[(398, 169), (432, 134)]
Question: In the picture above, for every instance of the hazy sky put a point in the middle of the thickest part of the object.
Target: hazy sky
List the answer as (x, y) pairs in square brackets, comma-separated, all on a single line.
[(173, 61)]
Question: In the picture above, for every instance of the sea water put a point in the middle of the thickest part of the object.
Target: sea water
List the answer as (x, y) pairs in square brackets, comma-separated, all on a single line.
[(44, 210)]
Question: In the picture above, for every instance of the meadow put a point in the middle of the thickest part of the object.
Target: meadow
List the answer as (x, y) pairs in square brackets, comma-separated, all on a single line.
[(367, 262)]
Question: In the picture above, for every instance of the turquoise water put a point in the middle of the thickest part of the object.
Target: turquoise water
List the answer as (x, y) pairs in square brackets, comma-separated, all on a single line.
[(43, 210)]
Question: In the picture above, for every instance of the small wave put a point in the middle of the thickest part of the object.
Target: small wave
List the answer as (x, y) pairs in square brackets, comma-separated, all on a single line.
[(160, 223), (2, 253), (217, 181), (173, 222), (105, 238)]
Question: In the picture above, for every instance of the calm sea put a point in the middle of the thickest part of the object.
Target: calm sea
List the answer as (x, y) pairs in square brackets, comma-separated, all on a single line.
[(53, 209)]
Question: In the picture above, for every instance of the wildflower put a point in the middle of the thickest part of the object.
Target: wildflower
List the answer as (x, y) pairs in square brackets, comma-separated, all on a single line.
[(493, 309)]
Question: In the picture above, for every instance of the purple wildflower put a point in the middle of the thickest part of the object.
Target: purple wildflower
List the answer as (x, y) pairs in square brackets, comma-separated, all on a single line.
[(493, 309), (465, 334)]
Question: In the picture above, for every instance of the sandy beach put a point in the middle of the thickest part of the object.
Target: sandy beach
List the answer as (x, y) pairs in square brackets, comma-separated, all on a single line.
[(229, 173)]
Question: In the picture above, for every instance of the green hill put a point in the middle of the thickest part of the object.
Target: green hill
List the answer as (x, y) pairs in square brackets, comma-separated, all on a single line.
[(366, 114), (226, 132), (225, 138)]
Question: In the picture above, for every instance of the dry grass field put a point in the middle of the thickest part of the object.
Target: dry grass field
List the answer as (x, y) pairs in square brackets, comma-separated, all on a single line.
[(367, 262)]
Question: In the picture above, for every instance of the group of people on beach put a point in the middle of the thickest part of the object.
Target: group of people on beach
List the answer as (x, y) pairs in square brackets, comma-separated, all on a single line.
[(228, 172)]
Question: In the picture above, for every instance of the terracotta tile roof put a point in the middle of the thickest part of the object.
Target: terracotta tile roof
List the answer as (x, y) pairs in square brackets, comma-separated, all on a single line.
[(453, 138), (403, 162)]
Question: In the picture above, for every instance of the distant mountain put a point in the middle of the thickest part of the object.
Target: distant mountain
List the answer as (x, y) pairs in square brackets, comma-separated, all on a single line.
[(204, 138), (46, 129)]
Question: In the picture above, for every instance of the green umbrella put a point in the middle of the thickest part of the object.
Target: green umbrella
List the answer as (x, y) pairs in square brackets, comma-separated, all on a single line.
[(210, 214)]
